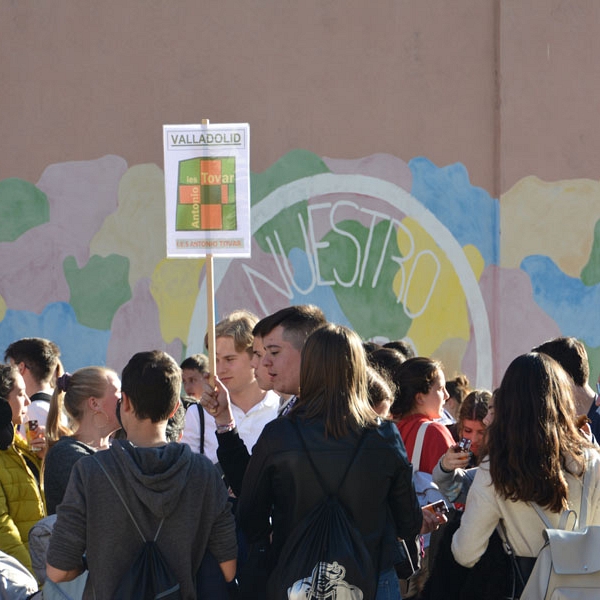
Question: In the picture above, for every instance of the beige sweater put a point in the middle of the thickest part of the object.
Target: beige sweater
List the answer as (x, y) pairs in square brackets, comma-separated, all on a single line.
[(524, 527)]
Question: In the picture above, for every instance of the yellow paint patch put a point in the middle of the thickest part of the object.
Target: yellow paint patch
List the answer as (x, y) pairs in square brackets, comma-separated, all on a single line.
[(437, 305), (137, 229), (2, 308), (554, 219), (174, 288), (451, 353)]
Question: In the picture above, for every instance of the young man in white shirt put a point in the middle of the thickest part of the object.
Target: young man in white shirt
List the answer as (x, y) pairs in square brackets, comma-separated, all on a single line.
[(251, 406), (37, 360)]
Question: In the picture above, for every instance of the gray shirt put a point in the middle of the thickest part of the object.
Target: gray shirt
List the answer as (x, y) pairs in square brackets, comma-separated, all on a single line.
[(57, 469)]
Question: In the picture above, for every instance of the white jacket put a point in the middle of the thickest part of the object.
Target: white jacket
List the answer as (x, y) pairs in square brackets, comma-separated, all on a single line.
[(485, 508)]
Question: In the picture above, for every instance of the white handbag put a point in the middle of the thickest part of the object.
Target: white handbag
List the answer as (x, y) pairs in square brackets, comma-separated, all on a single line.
[(568, 566)]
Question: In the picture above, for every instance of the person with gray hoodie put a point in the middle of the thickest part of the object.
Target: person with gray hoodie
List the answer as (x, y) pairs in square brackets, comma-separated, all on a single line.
[(159, 482)]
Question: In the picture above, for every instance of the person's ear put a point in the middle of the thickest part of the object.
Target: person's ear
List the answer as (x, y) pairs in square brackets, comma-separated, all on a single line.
[(175, 409), (126, 405)]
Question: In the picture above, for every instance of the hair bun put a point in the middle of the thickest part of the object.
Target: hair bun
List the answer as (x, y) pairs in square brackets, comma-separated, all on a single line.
[(62, 382)]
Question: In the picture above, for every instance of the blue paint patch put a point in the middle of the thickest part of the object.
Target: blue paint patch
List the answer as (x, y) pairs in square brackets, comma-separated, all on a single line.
[(321, 295), (467, 211), (572, 304), (80, 346)]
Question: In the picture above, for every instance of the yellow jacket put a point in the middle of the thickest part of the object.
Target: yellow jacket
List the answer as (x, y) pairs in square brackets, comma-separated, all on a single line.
[(21, 500)]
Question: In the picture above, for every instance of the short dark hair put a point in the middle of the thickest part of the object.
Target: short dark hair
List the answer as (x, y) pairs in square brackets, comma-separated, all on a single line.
[(401, 346), (297, 321), (40, 356), (370, 346), (152, 381), (386, 361), (199, 362), (570, 354)]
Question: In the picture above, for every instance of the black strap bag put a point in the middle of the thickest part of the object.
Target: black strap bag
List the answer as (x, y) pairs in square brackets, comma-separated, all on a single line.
[(325, 555), (149, 577)]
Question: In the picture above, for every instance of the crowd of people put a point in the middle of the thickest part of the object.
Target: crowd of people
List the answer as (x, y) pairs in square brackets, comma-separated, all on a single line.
[(222, 472)]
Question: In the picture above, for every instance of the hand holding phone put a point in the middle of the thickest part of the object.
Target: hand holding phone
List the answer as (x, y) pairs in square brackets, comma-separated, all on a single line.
[(437, 508), (465, 445), (434, 515)]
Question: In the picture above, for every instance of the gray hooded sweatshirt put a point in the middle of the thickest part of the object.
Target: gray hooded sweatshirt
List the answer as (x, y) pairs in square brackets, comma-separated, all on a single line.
[(169, 482)]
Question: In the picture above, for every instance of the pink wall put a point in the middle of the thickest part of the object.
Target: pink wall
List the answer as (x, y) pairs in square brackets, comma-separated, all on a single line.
[(459, 100), (343, 78)]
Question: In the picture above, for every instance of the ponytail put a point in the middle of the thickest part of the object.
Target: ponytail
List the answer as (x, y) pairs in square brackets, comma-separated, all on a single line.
[(54, 426)]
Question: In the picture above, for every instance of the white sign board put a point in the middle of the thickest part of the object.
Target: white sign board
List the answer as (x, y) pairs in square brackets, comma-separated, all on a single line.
[(207, 189)]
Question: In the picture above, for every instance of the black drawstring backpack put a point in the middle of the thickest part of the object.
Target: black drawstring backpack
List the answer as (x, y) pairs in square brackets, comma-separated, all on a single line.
[(325, 555), (149, 577)]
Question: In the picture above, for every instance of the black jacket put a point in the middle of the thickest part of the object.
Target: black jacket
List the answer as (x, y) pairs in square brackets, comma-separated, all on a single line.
[(233, 457), (378, 490)]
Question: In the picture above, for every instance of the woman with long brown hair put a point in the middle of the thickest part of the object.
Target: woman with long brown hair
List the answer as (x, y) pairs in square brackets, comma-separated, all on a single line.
[(330, 419), (536, 455)]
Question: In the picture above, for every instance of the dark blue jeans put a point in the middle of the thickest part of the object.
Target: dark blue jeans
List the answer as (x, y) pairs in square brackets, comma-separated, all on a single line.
[(388, 587)]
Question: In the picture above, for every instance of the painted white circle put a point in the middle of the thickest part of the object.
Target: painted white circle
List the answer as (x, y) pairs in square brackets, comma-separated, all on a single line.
[(330, 183)]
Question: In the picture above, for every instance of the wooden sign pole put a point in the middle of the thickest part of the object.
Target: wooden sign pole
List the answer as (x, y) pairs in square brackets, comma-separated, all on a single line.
[(210, 308)]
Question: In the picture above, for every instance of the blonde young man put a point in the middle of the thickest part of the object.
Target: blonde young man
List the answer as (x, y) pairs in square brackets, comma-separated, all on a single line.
[(252, 407)]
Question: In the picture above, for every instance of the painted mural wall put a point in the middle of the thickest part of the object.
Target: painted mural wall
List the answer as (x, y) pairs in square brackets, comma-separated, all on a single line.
[(395, 250)]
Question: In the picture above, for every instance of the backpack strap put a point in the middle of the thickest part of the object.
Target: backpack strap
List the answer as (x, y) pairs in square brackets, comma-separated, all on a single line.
[(320, 479), (416, 455), (339, 487), (114, 485), (585, 491), (201, 415), (581, 521), (564, 517)]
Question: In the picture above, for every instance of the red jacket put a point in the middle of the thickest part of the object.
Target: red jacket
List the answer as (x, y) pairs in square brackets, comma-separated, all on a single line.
[(437, 440)]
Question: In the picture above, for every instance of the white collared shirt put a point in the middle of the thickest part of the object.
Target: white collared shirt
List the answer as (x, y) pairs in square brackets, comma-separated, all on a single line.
[(249, 425)]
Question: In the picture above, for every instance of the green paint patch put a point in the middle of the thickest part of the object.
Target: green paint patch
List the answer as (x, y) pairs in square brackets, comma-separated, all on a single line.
[(22, 207), (368, 302), (296, 164), (287, 225), (98, 289), (590, 274)]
